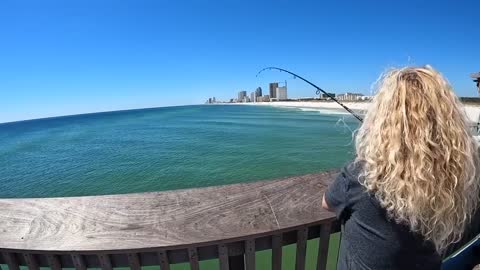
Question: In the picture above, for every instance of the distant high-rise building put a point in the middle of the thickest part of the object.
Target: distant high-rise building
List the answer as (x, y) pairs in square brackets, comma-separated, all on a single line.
[(349, 96), (241, 96), (214, 100), (252, 97), (266, 98), (281, 93), (258, 92), (209, 100), (273, 89)]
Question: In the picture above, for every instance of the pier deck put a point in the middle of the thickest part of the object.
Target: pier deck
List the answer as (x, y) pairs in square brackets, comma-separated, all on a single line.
[(161, 228)]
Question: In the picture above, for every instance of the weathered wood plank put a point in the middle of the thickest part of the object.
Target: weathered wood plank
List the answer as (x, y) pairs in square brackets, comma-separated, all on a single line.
[(193, 258), (31, 261), (301, 248), (323, 246), (11, 261), (223, 257), (277, 252), (250, 254), (79, 262), (162, 219), (163, 260)]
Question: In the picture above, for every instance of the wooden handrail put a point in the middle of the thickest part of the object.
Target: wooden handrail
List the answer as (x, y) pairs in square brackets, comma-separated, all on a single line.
[(163, 228)]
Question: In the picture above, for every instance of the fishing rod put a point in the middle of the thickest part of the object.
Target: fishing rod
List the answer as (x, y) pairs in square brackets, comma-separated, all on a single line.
[(318, 89)]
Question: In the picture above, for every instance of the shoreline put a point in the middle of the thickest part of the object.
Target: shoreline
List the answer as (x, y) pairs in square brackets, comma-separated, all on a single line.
[(472, 111)]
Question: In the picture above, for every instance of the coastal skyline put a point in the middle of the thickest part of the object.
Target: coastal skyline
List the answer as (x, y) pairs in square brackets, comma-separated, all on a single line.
[(62, 58)]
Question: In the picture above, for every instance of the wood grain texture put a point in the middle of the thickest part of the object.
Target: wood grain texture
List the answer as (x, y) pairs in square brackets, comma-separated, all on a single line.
[(155, 220)]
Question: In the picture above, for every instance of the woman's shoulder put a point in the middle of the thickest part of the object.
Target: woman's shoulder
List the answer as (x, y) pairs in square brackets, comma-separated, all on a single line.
[(352, 172)]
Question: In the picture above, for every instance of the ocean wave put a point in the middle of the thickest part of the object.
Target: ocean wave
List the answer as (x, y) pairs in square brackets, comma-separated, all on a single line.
[(324, 111)]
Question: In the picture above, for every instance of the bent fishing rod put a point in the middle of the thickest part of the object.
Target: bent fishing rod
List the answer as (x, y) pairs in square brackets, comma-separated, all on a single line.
[(318, 89)]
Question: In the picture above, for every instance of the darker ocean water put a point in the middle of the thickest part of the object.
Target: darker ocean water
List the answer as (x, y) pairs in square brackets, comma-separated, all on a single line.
[(168, 148)]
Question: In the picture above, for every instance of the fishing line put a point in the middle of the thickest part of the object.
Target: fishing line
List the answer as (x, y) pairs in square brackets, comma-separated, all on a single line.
[(341, 121), (316, 87)]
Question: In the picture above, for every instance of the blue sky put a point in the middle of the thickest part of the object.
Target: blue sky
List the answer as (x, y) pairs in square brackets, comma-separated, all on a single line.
[(69, 57)]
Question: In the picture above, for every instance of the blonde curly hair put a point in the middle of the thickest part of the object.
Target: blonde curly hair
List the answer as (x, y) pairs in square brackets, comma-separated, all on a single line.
[(419, 159)]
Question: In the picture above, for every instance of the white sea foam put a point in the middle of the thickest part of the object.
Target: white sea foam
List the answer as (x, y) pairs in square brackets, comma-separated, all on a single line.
[(324, 111), (472, 111)]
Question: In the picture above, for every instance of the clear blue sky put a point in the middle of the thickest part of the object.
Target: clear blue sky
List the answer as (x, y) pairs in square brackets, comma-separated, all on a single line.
[(69, 57)]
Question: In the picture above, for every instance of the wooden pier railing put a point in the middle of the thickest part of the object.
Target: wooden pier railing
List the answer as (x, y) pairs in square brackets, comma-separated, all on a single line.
[(229, 222)]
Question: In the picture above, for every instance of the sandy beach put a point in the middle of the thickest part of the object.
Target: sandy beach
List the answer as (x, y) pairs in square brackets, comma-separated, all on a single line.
[(472, 111)]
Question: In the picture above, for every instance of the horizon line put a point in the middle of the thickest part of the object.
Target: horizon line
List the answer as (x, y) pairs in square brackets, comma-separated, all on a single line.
[(94, 112)]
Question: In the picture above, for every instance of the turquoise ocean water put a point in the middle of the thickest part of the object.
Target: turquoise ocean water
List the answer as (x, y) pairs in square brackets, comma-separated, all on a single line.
[(171, 148), (168, 148)]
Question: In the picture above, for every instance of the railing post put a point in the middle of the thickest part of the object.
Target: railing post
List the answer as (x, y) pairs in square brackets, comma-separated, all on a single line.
[(323, 243), (54, 262), (250, 254), (302, 235), (79, 262), (134, 261), (223, 257), (31, 261), (11, 261), (277, 251), (193, 258), (163, 260), (105, 262)]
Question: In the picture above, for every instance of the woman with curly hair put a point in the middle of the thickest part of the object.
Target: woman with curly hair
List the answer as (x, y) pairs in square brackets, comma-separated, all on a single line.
[(412, 191)]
